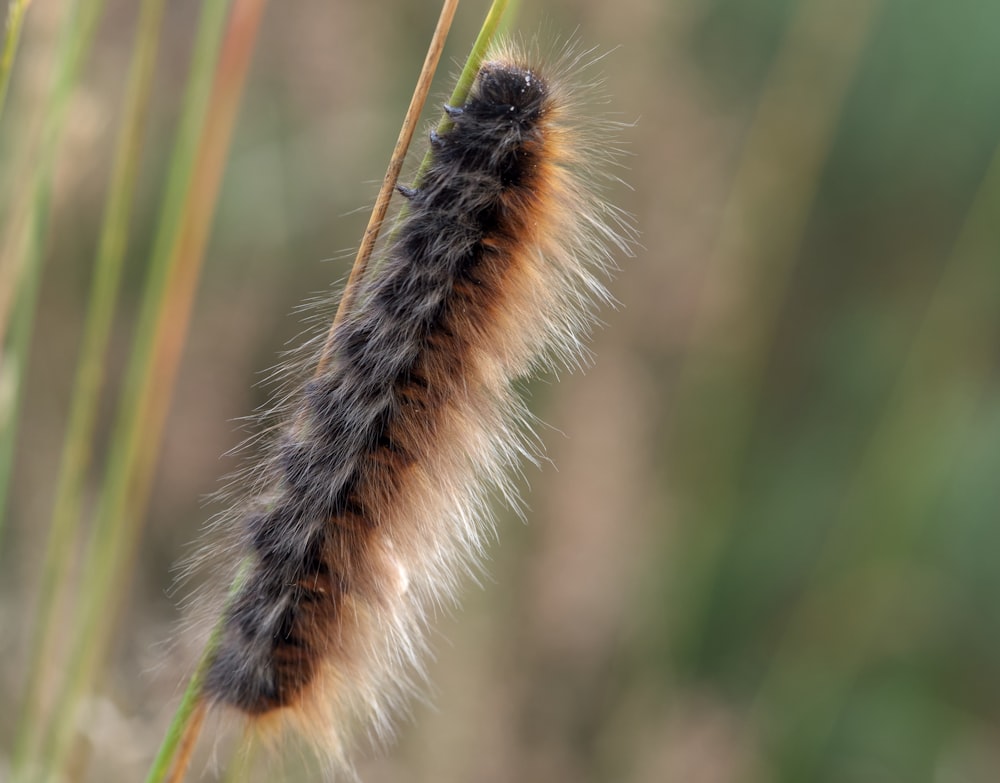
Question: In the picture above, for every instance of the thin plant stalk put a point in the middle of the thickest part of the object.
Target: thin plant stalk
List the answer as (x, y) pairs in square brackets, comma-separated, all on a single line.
[(487, 33), (78, 445), (200, 155), (185, 722), (75, 38), (492, 25), (21, 254), (175, 751), (12, 37), (374, 226), (14, 356)]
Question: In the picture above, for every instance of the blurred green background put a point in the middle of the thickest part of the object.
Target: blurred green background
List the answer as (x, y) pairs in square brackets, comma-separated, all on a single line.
[(766, 546)]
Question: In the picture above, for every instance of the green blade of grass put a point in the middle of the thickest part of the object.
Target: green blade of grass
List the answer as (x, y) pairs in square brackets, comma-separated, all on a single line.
[(187, 713), (487, 33), (180, 729), (195, 174), (75, 38), (12, 37), (14, 357), (78, 444), (25, 230)]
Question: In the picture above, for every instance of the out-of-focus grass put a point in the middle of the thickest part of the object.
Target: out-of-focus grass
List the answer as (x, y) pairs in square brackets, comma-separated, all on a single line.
[(748, 275), (78, 443), (213, 100), (172, 281), (817, 619), (768, 554), (16, 10), (930, 419), (25, 224)]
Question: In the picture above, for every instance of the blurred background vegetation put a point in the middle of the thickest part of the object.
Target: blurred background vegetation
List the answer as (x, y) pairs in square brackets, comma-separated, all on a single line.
[(766, 547)]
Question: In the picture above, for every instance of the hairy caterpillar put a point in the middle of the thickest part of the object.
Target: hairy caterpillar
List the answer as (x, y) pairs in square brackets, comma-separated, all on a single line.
[(373, 499)]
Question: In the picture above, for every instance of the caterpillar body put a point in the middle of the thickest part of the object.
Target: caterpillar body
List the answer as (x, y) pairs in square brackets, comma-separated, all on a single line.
[(373, 499)]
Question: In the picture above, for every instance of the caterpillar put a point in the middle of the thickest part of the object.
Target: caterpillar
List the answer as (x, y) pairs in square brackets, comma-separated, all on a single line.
[(373, 499)]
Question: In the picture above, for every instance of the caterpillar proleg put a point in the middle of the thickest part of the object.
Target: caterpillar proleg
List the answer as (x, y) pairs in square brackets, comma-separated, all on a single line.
[(373, 499)]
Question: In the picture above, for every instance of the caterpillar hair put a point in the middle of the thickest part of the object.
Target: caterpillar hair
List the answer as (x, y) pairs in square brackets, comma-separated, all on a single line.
[(373, 498)]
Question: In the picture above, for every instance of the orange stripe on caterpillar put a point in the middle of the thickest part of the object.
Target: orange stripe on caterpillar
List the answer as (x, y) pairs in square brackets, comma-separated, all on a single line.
[(374, 497)]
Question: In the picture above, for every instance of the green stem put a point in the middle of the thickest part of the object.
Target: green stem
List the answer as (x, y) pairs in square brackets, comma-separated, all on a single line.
[(487, 33), (14, 360), (12, 37), (187, 709), (148, 380), (27, 261), (25, 235), (77, 448)]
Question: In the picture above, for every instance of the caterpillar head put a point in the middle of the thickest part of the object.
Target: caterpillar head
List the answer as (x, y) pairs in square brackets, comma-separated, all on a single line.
[(507, 90)]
